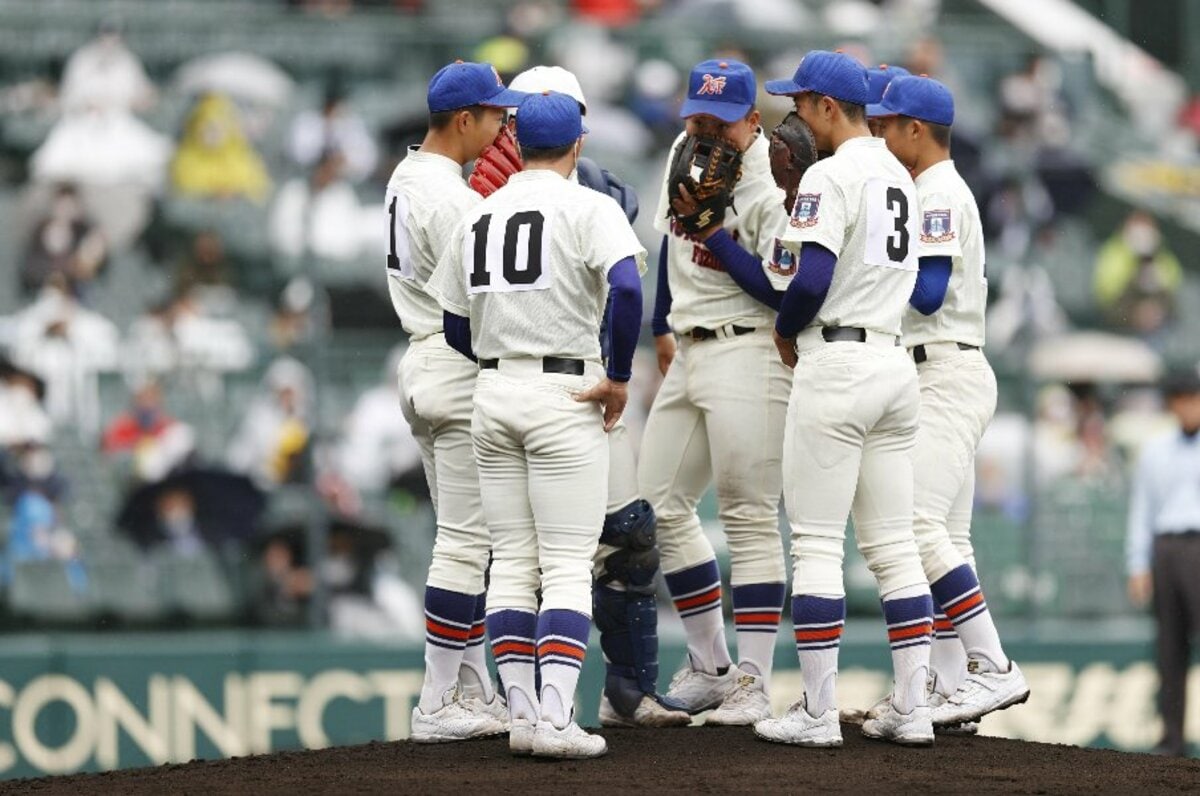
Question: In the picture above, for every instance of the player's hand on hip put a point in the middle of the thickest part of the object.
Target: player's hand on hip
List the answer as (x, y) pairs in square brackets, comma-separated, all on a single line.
[(787, 349), (612, 395), (664, 347), (1140, 587)]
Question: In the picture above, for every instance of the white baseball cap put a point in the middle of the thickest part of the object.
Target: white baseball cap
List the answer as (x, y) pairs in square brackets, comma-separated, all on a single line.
[(549, 78)]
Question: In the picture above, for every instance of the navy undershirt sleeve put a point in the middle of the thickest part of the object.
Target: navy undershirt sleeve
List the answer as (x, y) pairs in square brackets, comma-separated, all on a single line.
[(807, 291), (744, 267), (933, 277), (625, 319), (662, 296), (458, 333)]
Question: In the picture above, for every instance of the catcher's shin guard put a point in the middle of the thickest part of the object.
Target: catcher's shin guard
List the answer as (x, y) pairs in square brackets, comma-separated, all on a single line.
[(628, 620)]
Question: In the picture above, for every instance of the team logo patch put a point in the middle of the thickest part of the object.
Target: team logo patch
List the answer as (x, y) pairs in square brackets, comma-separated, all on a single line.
[(712, 85), (804, 212), (935, 227), (783, 262)]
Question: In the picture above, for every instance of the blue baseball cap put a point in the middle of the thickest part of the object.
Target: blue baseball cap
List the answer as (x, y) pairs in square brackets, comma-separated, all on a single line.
[(834, 75), (549, 120), (463, 84), (919, 97), (878, 79), (724, 89)]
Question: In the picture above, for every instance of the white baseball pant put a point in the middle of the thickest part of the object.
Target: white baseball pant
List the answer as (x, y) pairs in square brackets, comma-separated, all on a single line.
[(851, 426), (437, 384), (543, 476), (958, 399), (719, 416)]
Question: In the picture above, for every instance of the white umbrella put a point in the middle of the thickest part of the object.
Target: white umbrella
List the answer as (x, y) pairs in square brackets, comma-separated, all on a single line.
[(1095, 357), (243, 76)]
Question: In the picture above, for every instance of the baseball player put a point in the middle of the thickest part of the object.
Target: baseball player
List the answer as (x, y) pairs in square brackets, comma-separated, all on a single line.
[(523, 286), (719, 414), (877, 80), (852, 416), (623, 601), (426, 199), (944, 331)]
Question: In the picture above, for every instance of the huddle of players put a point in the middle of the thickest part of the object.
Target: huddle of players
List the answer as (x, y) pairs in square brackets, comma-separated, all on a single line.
[(820, 340)]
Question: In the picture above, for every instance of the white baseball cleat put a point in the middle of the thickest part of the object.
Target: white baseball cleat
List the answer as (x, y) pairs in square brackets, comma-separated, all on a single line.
[(697, 691), (454, 721), (520, 737), (935, 701), (982, 693), (746, 704), (798, 728), (885, 723), (497, 708), (649, 713), (569, 743)]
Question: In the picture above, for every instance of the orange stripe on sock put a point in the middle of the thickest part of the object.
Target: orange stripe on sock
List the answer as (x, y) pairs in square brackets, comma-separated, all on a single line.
[(506, 647), (900, 634), (756, 618), (556, 648), (711, 595), (439, 629), (478, 630), (966, 605), (819, 635), (943, 624)]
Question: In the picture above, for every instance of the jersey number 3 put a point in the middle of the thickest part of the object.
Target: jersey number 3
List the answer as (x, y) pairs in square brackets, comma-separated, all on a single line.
[(509, 259), (889, 226)]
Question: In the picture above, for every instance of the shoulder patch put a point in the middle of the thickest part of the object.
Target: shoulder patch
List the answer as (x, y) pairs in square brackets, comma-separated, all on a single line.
[(804, 212), (936, 228), (783, 262)]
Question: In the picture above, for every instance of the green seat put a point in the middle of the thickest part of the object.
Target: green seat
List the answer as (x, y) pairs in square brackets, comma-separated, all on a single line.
[(125, 589), (194, 586), (41, 591)]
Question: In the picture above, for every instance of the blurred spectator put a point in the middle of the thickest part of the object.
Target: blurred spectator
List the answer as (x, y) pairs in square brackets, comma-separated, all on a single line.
[(180, 334), (291, 323), (1163, 550), (1137, 277), (104, 74), (154, 442), (205, 264), (336, 127), (1032, 105), (65, 243), (178, 527), (1014, 214), (285, 583), (378, 448), (272, 440), (67, 345), (22, 418), (35, 533), (215, 159), (322, 215)]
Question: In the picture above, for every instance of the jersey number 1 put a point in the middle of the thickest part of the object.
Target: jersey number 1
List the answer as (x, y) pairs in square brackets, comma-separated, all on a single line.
[(519, 273)]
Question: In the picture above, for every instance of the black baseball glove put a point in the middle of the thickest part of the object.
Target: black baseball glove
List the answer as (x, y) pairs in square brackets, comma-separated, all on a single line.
[(792, 151), (700, 182)]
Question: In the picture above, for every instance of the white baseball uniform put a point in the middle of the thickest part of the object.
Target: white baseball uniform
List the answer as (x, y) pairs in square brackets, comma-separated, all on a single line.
[(528, 266), (719, 414), (426, 200), (958, 387), (852, 416)]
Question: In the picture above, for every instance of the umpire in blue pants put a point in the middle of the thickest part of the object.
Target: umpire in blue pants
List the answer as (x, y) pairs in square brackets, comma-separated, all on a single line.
[(1163, 549)]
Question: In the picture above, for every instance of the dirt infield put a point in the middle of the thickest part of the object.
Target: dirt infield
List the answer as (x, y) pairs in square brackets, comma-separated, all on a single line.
[(696, 760)]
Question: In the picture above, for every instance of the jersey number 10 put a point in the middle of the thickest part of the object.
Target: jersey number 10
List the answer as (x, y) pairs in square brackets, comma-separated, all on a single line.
[(519, 251)]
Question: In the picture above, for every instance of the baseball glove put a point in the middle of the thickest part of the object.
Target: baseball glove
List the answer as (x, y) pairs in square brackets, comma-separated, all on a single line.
[(792, 151), (707, 169), (496, 163)]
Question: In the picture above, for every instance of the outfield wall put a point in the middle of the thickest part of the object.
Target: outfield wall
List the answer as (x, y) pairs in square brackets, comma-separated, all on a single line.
[(86, 703)]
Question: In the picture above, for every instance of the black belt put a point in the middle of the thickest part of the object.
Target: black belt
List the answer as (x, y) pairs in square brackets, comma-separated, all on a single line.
[(844, 334), (919, 355), (700, 333), (549, 365)]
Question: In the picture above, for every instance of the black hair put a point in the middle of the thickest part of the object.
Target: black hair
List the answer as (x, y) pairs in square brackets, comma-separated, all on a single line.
[(440, 120), (940, 133), (551, 153), (851, 110)]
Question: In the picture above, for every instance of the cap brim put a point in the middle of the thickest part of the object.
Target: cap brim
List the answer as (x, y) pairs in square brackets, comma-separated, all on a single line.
[(783, 88), (878, 111), (725, 111), (504, 98)]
